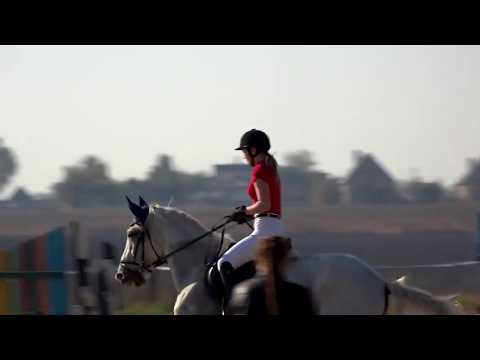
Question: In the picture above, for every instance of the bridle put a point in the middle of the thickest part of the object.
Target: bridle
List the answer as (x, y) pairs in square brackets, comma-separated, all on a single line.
[(163, 259), (141, 242)]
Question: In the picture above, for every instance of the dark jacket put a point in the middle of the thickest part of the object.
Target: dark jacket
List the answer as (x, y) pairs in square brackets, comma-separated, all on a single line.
[(248, 298)]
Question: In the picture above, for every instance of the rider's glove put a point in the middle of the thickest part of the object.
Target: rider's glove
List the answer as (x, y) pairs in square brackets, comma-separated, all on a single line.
[(239, 215)]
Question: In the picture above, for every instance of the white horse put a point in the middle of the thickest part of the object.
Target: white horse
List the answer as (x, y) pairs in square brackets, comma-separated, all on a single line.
[(339, 283)]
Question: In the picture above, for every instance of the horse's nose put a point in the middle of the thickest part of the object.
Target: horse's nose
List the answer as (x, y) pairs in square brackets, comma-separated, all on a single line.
[(119, 276)]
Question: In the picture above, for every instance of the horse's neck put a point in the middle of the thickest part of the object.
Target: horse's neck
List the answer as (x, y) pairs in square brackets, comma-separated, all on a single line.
[(186, 266)]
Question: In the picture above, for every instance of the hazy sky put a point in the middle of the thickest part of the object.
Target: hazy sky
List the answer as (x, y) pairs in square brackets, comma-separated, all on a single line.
[(414, 107)]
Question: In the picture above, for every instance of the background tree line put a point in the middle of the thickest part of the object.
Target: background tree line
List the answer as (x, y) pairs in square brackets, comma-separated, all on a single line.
[(89, 183)]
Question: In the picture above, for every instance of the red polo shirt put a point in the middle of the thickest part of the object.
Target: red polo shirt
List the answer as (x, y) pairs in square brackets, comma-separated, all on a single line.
[(266, 173)]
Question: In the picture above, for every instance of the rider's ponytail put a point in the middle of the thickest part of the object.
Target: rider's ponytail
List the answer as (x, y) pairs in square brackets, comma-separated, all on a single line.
[(271, 161), (270, 257)]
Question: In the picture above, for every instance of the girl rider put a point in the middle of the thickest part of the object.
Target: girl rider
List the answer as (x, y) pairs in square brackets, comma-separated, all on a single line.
[(265, 191)]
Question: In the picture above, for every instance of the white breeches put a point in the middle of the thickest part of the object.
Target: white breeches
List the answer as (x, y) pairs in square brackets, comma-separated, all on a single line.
[(244, 251)]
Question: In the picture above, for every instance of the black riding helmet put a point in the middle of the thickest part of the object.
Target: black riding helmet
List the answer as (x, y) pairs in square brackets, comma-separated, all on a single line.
[(256, 138)]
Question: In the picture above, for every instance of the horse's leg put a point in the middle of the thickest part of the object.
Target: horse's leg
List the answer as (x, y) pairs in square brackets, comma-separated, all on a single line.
[(194, 300), (182, 305)]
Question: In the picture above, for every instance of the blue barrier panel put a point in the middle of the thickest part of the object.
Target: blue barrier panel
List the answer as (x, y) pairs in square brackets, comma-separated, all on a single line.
[(56, 262)]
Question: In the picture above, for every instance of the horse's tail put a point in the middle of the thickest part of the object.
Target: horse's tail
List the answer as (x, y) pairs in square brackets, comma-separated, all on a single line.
[(422, 299), (271, 256)]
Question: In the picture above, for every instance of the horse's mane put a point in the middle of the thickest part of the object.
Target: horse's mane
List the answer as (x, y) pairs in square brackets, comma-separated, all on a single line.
[(182, 218), (422, 299)]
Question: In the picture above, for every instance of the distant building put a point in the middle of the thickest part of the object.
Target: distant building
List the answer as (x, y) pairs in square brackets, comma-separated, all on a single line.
[(297, 185), (468, 188), (229, 184), (21, 199), (326, 190), (419, 191), (369, 182)]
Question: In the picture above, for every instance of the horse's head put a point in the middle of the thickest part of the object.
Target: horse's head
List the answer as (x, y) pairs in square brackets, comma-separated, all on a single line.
[(140, 253)]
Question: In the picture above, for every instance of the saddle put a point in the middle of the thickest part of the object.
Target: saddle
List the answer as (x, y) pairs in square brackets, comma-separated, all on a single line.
[(214, 283)]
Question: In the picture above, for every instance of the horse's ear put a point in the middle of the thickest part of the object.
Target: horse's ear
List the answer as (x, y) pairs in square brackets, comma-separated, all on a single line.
[(131, 205), (142, 202), (141, 213)]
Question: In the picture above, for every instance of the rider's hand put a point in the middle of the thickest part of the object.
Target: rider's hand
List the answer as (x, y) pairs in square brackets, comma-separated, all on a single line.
[(239, 215)]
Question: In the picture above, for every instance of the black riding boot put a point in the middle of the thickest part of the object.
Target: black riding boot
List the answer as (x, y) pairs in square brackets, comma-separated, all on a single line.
[(226, 273)]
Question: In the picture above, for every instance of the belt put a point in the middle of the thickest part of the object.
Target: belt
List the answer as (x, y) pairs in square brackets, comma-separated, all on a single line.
[(273, 215)]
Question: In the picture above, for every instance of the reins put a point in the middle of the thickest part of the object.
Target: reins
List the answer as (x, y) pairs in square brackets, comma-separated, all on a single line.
[(163, 259)]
